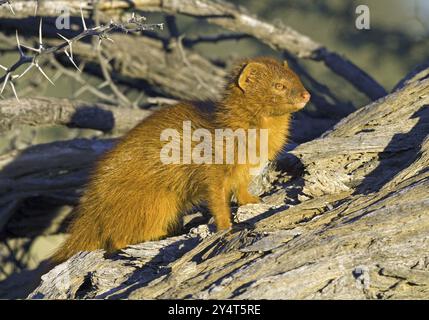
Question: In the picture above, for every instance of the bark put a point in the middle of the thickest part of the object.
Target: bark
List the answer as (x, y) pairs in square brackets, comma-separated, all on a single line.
[(343, 216)]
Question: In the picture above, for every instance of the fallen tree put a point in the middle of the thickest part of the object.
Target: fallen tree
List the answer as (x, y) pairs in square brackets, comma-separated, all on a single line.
[(343, 216)]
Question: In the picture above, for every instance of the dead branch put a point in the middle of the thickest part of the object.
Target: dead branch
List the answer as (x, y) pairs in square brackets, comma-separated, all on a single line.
[(100, 31), (56, 170), (149, 66), (8, 3), (50, 111)]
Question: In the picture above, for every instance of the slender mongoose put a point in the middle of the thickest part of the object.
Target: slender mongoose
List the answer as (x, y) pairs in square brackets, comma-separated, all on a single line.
[(133, 196)]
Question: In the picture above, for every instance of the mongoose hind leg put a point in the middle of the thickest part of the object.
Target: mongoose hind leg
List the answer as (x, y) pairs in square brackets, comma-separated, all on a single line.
[(160, 217), (144, 218)]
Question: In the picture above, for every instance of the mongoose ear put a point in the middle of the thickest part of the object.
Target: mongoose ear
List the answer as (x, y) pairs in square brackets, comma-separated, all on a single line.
[(285, 64), (249, 74)]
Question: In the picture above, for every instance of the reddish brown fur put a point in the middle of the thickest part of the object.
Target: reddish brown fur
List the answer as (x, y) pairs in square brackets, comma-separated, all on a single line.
[(133, 197)]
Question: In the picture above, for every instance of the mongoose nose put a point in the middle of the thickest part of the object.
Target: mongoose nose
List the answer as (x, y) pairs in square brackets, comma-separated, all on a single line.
[(306, 96)]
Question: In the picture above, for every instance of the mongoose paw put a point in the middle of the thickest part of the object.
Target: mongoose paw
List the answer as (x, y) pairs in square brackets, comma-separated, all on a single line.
[(250, 199), (223, 225)]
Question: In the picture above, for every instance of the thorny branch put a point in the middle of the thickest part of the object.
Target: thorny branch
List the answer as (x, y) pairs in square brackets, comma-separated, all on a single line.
[(9, 3), (85, 86), (2, 2), (101, 31)]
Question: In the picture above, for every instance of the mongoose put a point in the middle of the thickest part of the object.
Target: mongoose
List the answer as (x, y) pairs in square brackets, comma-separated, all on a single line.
[(132, 196)]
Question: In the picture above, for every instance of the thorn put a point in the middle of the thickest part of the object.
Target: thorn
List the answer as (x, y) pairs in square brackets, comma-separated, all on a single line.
[(83, 19), (26, 70), (36, 8), (21, 53), (3, 67), (10, 7), (40, 33), (14, 91), (5, 82), (30, 48), (71, 50), (43, 72), (69, 43), (71, 60)]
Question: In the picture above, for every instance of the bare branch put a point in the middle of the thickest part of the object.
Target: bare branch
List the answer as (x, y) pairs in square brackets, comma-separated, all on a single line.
[(190, 42), (103, 63), (100, 31), (185, 60), (8, 2)]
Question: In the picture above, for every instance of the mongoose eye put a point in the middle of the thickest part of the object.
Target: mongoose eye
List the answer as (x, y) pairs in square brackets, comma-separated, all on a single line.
[(279, 86)]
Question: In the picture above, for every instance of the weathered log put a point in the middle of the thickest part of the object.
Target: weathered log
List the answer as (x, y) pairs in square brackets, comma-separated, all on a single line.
[(55, 170), (78, 114), (346, 217)]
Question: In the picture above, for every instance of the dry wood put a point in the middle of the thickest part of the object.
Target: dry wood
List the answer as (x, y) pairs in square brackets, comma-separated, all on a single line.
[(79, 114)]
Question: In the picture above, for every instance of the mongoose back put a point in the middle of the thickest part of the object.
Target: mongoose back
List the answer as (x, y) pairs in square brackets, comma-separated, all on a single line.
[(132, 196)]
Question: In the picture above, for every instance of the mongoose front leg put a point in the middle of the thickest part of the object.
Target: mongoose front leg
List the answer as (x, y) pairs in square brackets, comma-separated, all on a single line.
[(220, 208), (242, 192)]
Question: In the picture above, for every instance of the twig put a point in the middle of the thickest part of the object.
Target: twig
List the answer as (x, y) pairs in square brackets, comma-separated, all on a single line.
[(8, 2), (225, 14), (190, 42), (85, 86), (186, 62), (278, 37), (103, 63), (100, 31)]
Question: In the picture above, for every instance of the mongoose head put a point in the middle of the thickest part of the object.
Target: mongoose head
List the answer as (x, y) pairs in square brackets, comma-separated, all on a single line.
[(270, 87)]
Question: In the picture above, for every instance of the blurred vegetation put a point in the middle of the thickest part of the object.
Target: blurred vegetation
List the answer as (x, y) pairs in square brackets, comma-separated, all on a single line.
[(397, 41)]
